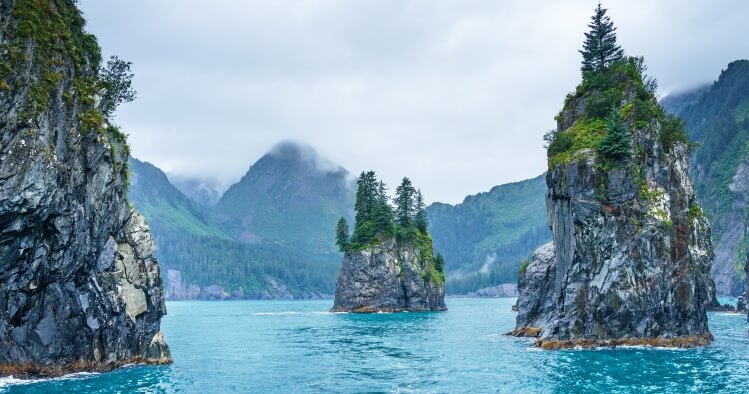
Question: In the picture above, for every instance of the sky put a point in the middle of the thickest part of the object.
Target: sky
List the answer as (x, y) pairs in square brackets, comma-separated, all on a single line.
[(455, 94)]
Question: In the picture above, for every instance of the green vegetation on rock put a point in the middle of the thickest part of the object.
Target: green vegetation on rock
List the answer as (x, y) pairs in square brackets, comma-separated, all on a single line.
[(378, 221), (614, 98), (615, 146), (47, 38)]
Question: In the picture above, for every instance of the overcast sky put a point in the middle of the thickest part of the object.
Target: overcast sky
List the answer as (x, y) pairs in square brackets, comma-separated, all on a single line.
[(454, 94)]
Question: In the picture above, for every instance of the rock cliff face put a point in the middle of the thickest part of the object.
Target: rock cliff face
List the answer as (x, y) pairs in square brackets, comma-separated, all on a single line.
[(631, 254), (387, 277), (79, 285)]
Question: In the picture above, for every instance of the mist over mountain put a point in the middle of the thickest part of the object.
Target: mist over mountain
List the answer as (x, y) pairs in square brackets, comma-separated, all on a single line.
[(204, 192), (167, 209), (676, 102), (290, 197), (202, 261), (717, 122), (270, 231)]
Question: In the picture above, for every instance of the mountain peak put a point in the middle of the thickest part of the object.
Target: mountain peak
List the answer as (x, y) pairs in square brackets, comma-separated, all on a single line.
[(299, 152)]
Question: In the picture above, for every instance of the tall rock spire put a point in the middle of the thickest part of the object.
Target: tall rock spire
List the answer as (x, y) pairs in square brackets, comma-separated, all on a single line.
[(631, 253)]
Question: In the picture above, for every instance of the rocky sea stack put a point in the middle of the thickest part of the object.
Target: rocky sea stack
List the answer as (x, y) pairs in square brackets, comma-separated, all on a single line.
[(387, 277), (389, 263), (80, 288), (631, 253)]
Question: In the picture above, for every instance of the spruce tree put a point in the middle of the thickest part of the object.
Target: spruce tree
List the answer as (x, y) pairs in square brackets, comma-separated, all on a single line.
[(600, 48), (365, 205), (404, 203), (439, 263), (615, 145), (383, 216), (342, 235), (420, 218)]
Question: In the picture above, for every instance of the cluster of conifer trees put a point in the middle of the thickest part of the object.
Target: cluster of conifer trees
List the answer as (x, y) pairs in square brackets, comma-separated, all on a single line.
[(376, 219)]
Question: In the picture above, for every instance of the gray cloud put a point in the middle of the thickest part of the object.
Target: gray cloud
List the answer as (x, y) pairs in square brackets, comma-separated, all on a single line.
[(454, 94)]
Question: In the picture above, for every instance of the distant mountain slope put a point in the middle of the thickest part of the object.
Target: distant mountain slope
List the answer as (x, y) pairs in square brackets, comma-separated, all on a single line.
[(486, 237), (201, 261), (165, 207), (203, 192), (717, 120), (290, 197), (272, 233), (676, 102)]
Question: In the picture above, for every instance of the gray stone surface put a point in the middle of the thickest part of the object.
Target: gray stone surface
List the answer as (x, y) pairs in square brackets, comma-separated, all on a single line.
[(627, 260), (67, 236), (386, 277)]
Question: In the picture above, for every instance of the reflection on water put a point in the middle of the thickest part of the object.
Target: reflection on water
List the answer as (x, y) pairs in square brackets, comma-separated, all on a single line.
[(286, 346)]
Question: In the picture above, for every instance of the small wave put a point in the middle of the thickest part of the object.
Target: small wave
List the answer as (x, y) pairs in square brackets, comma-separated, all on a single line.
[(633, 347), (292, 313), (11, 381), (276, 313), (731, 314)]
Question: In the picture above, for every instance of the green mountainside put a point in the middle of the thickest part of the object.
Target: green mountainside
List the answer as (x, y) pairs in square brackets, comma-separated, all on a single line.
[(717, 121), (485, 238), (167, 209), (216, 265), (277, 223), (290, 197)]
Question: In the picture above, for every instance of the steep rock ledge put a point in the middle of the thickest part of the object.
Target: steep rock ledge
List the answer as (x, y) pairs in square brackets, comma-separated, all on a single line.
[(80, 288), (387, 277)]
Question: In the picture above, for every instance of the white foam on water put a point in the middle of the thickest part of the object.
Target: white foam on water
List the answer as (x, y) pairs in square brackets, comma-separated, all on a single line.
[(276, 313), (11, 381)]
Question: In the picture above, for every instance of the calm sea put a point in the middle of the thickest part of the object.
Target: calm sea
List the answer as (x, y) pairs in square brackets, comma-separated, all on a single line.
[(297, 346)]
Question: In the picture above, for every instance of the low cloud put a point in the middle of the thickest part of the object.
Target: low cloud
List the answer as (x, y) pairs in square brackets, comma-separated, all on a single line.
[(456, 95)]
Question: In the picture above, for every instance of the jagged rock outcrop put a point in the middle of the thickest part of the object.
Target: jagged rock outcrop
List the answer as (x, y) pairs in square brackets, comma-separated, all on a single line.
[(79, 284), (631, 255), (388, 277)]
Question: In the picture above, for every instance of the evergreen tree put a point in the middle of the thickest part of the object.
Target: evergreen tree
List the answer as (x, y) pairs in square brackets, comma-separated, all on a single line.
[(420, 218), (383, 215), (404, 203), (342, 235), (615, 145), (439, 263), (366, 196), (600, 48), (365, 205)]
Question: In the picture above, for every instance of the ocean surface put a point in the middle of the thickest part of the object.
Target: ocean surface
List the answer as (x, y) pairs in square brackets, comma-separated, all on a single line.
[(297, 346)]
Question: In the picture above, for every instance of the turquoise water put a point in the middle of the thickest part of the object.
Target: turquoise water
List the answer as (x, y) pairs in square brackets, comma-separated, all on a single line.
[(296, 346)]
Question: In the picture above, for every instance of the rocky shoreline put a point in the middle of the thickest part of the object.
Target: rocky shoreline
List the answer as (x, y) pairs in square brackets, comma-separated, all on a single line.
[(36, 371)]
